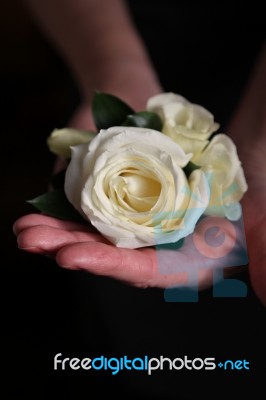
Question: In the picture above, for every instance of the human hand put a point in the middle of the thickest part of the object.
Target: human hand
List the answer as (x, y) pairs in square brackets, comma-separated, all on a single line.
[(252, 154), (248, 130), (49, 236), (76, 246), (79, 246)]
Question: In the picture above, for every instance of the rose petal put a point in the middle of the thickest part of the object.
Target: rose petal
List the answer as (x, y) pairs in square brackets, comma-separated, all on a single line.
[(132, 187)]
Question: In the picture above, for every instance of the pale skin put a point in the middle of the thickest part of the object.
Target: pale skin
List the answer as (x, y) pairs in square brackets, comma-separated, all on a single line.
[(100, 56)]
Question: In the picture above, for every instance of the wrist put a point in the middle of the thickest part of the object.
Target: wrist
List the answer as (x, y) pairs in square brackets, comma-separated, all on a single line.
[(132, 80)]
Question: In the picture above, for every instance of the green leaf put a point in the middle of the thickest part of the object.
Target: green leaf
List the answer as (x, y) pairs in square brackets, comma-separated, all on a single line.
[(109, 110), (144, 119), (56, 204), (190, 167)]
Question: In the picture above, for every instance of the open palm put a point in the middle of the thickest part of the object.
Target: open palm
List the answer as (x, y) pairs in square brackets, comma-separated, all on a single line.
[(75, 246)]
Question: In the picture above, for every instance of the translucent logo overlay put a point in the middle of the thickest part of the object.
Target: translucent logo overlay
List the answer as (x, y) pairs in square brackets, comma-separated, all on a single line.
[(216, 243)]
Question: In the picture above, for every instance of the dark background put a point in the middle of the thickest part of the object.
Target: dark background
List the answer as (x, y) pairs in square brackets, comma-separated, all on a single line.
[(46, 309)]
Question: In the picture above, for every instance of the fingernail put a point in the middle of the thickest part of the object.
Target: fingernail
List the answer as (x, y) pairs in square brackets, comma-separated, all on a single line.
[(28, 248), (67, 267)]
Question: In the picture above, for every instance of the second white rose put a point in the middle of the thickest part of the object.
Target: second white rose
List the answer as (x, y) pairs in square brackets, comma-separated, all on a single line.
[(130, 184), (189, 125)]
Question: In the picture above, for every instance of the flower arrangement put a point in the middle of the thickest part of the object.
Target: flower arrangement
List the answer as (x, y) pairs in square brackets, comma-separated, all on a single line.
[(145, 178)]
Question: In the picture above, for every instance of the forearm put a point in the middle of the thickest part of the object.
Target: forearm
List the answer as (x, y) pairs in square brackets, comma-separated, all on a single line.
[(248, 126), (249, 121), (99, 42)]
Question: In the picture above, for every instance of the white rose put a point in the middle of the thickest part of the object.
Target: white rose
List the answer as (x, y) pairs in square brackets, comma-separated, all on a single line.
[(129, 183), (226, 178), (188, 124)]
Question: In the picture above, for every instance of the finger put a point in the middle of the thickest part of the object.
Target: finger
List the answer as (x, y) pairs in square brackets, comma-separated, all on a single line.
[(46, 239), (31, 220), (132, 266), (135, 267)]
